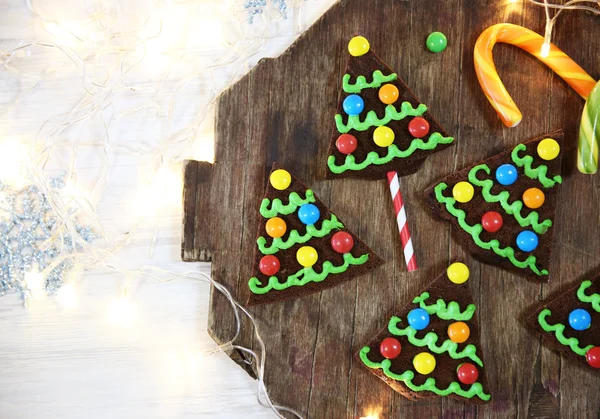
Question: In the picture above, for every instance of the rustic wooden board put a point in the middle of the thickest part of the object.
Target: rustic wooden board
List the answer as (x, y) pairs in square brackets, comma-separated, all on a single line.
[(283, 111)]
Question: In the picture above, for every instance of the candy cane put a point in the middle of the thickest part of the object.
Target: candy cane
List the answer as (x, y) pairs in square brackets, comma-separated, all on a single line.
[(490, 82), (589, 134), (407, 247)]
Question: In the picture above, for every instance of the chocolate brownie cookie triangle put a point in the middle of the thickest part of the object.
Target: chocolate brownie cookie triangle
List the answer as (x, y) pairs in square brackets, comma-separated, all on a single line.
[(502, 209), (570, 323), (380, 125), (302, 247), (432, 348)]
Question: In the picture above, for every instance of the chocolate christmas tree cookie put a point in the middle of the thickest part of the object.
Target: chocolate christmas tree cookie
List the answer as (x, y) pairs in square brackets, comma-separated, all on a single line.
[(570, 323), (380, 126), (432, 347), (302, 247), (503, 208)]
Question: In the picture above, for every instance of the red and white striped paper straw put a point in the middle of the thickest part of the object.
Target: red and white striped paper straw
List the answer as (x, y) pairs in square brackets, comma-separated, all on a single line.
[(407, 247)]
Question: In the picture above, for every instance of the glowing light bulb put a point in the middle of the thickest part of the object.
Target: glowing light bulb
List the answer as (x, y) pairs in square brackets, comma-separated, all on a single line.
[(545, 50), (13, 157), (121, 312), (163, 191), (35, 283), (67, 297)]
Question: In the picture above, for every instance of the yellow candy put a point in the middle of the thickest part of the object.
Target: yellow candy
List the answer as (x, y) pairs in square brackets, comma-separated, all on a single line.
[(548, 149), (424, 363), (383, 136), (358, 46), (458, 273), (280, 179), (463, 192), (307, 256)]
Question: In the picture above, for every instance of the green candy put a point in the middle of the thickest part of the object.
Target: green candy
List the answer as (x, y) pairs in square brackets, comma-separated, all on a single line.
[(589, 133), (436, 42)]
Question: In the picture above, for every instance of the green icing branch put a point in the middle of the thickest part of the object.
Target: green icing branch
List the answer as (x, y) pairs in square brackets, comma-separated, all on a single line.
[(538, 173), (372, 120), (406, 377), (392, 152), (558, 330), (593, 299), (475, 232), (513, 209), (305, 275), (449, 312), (277, 207), (295, 237), (430, 341), (361, 82)]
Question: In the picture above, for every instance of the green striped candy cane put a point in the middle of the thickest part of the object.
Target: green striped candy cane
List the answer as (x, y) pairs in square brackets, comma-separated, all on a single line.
[(589, 133)]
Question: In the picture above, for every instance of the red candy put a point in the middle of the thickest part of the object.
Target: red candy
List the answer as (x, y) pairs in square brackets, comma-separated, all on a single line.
[(342, 242), (346, 143), (390, 348), (269, 265), (593, 357), (418, 127), (491, 221), (467, 373)]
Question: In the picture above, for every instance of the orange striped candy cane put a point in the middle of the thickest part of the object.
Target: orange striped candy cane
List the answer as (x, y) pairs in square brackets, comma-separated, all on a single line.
[(516, 35)]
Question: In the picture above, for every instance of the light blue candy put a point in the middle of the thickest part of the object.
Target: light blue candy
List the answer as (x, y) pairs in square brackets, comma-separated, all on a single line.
[(506, 174), (418, 319), (527, 241), (309, 214), (353, 105), (580, 319)]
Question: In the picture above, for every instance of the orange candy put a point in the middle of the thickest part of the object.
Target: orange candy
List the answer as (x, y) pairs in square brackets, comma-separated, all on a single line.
[(276, 227), (388, 94), (459, 332), (533, 198)]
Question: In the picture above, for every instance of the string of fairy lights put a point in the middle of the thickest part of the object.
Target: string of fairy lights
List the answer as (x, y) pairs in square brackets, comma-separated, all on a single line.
[(145, 65)]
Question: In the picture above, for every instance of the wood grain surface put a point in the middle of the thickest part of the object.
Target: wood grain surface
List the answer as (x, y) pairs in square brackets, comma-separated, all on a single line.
[(283, 111)]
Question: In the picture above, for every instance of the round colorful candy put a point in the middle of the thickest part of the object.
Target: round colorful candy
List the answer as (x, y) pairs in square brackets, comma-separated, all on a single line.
[(463, 192), (593, 357), (459, 332), (269, 265), (307, 256), (388, 94), (424, 363), (346, 143), (548, 149), (467, 373), (418, 127), (342, 242), (458, 273), (506, 174), (533, 198), (280, 179), (383, 136), (418, 318), (436, 42), (309, 214), (390, 348), (353, 105), (358, 46), (527, 241), (491, 221), (579, 319), (275, 227)]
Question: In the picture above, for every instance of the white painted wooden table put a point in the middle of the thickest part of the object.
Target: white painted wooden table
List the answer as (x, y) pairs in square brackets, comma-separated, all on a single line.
[(68, 364)]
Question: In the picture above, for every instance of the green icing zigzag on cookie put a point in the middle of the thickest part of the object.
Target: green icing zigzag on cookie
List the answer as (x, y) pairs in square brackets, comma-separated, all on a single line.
[(558, 330), (593, 299), (451, 311), (538, 173), (270, 209), (361, 82)]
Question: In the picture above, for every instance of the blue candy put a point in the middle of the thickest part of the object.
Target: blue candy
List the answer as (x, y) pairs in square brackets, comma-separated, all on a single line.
[(506, 174), (309, 214), (527, 241), (418, 319), (579, 319), (353, 105)]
